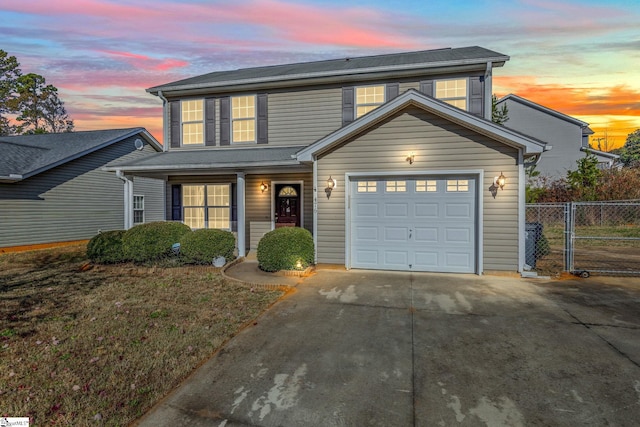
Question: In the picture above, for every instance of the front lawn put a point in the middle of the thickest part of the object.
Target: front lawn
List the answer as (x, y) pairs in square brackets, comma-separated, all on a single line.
[(101, 345)]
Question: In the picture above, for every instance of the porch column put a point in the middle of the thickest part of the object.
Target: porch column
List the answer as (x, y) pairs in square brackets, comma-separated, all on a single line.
[(241, 223)]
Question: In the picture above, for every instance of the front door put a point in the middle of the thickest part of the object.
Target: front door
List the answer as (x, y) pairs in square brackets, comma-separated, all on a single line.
[(287, 205)]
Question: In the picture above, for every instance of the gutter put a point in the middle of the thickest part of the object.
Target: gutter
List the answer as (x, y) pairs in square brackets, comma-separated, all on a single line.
[(128, 199), (12, 177), (165, 120)]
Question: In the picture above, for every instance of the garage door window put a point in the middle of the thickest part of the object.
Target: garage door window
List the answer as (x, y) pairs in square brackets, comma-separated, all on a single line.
[(457, 185), (367, 186), (396, 186), (426, 186)]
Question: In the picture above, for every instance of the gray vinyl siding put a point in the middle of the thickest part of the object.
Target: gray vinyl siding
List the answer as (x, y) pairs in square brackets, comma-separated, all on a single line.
[(565, 138), (70, 202), (302, 116), (438, 145), (153, 192)]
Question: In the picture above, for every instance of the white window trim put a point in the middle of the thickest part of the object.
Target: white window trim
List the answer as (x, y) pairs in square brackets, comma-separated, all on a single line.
[(254, 118), (355, 99), (133, 208), (206, 206), (204, 129), (455, 98)]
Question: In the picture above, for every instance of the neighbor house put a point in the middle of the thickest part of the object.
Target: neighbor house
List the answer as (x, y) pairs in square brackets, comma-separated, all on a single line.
[(53, 188), (390, 161), (568, 136)]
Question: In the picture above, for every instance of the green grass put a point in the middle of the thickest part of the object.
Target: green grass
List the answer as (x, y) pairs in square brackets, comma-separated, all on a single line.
[(102, 346)]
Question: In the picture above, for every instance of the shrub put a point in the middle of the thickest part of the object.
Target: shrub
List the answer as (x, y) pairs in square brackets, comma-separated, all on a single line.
[(152, 241), (283, 248), (202, 246), (106, 247)]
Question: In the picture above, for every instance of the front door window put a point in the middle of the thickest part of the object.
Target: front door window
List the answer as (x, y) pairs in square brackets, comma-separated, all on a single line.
[(287, 205)]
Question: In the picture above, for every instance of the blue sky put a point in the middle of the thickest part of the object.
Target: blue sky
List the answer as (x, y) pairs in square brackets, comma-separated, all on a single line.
[(579, 57)]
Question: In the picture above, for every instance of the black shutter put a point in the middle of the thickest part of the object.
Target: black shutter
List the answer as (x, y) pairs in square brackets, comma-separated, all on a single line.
[(262, 124), (225, 121), (426, 87), (393, 90), (174, 121), (348, 105), (210, 122), (176, 202), (476, 96)]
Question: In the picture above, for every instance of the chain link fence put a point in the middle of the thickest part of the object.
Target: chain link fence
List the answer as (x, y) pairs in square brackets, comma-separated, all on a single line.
[(583, 237)]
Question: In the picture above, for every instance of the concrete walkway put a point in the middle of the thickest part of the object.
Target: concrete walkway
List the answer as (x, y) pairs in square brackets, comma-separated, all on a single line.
[(361, 348)]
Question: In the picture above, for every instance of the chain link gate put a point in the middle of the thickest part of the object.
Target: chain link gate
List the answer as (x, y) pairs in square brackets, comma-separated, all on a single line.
[(583, 238)]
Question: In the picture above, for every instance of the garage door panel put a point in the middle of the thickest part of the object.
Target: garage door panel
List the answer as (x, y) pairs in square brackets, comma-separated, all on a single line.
[(430, 226), (426, 260), (396, 259), (426, 210), (458, 210), (367, 258), (457, 235), (367, 234), (396, 210), (367, 210), (396, 234), (426, 234)]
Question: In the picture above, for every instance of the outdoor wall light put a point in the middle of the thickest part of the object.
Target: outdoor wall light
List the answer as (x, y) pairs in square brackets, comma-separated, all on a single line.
[(331, 184), (264, 187), (500, 181), (411, 158)]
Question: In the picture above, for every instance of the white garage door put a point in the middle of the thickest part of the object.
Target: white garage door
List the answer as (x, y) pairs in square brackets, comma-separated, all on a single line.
[(417, 224)]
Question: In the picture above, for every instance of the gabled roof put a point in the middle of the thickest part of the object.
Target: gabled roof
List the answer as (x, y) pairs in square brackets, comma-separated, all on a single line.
[(209, 159), (420, 61), (414, 98), (547, 110), (24, 156)]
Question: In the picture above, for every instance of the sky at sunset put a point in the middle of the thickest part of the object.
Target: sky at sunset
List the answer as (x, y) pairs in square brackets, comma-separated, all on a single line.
[(579, 57)]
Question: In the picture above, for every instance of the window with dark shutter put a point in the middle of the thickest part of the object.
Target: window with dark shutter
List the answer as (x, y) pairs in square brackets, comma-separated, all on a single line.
[(210, 122), (176, 202), (262, 119), (476, 95), (348, 106), (225, 121), (174, 120)]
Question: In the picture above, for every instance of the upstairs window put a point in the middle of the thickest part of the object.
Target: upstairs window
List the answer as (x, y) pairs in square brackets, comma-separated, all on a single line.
[(192, 122), (452, 92), (243, 118), (368, 98)]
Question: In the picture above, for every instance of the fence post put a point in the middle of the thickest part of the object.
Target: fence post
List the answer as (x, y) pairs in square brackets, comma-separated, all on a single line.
[(568, 236)]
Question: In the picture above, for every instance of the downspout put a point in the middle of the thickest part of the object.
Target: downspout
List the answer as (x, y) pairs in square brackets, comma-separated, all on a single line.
[(128, 199), (488, 91), (165, 121)]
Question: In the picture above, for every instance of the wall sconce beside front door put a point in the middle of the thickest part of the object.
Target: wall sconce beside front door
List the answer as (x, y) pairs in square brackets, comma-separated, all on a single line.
[(264, 187)]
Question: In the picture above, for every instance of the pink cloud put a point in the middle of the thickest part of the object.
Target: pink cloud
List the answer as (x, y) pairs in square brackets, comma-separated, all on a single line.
[(145, 62)]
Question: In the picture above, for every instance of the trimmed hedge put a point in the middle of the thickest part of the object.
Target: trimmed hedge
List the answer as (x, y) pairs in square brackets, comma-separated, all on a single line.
[(106, 247), (283, 248), (152, 241), (202, 246)]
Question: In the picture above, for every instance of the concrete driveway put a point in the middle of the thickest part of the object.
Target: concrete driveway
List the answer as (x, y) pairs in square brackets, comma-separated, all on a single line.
[(363, 348)]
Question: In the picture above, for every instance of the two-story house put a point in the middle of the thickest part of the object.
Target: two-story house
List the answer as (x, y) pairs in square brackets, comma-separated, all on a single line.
[(390, 160), (568, 136)]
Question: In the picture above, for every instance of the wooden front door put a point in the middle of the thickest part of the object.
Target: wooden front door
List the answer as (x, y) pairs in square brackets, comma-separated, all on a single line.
[(287, 205)]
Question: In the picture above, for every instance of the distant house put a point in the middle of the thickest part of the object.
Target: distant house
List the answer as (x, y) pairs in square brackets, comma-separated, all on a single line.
[(567, 136), (391, 161), (53, 188)]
